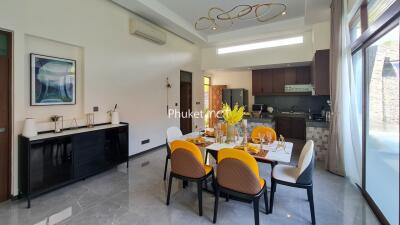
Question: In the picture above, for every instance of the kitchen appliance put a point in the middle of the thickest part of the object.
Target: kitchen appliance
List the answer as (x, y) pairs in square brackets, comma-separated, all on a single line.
[(236, 96), (298, 88), (259, 108)]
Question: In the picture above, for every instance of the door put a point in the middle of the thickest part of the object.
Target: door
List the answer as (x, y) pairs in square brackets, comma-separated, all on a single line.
[(216, 102), (186, 102), (382, 123), (5, 117)]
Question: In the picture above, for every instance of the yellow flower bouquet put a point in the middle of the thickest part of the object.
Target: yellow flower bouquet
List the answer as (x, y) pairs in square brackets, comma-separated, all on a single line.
[(232, 117)]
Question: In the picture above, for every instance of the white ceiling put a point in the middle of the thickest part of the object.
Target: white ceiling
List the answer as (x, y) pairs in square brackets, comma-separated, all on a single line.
[(179, 16)]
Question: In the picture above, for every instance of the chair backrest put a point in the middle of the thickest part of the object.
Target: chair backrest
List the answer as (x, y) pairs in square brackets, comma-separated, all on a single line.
[(306, 163), (173, 133), (263, 129), (186, 159), (238, 171)]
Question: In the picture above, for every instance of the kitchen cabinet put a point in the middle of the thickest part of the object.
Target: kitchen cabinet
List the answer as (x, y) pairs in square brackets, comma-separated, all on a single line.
[(278, 78), (272, 81), (291, 127), (50, 161), (320, 72)]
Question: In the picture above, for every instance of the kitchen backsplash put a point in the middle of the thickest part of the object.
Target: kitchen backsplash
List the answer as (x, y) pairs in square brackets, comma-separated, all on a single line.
[(300, 103)]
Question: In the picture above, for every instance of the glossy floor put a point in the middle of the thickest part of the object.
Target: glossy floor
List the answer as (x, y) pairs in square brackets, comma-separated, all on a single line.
[(137, 196)]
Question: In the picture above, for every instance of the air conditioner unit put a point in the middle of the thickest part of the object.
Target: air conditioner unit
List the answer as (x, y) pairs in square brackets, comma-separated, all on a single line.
[(147, 31)]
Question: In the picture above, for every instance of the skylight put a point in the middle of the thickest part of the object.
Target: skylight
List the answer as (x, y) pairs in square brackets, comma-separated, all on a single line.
[(261, 45)]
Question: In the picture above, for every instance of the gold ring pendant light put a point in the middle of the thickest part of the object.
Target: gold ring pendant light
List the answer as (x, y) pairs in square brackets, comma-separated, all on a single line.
[(218, 17)]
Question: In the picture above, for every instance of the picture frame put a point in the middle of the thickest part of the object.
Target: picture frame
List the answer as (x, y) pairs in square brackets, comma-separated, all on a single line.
[(53, 80)]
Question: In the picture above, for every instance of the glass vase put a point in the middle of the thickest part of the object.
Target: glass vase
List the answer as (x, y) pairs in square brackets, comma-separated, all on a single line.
[(230, 133)]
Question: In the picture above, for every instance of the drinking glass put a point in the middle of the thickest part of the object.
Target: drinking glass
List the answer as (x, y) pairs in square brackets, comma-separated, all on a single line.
[(261, 136)]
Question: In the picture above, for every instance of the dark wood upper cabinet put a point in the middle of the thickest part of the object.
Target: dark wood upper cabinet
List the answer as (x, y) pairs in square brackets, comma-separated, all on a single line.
[(267, 82), (303, 75), (320, 72), (273, 81), (290, 76), (278, 81), (257, 82)]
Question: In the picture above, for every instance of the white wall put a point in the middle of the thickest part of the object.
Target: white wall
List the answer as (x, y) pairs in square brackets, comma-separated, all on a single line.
[(278, 55), (315, 38), (117, 67), (233, 79)]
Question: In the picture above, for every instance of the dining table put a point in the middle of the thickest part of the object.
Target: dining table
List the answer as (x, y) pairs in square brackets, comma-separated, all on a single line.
[(275, 152)]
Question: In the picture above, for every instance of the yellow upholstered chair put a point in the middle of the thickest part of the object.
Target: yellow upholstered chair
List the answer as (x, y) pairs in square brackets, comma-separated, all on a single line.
[(238, 175), (187, 164), (262, 129)]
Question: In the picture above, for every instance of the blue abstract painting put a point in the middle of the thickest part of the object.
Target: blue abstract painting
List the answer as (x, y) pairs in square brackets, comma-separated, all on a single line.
[(52, 80)]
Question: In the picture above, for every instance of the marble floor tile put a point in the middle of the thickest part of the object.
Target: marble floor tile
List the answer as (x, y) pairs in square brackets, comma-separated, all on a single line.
[(136, 196)]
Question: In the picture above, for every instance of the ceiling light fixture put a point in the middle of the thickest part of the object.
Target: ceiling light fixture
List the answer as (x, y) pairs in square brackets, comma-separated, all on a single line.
[(218, 17), (261, 45)]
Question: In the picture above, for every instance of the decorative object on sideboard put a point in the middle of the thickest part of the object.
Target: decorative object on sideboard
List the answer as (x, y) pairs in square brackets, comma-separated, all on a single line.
[(114, 115), (270, 109), (53, 81), (90, 120), (74, 124), (217, 18), (29, 128), (58, 123)]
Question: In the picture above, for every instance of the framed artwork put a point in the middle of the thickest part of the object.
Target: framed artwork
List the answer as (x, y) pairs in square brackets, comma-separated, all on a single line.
[(53, 80)]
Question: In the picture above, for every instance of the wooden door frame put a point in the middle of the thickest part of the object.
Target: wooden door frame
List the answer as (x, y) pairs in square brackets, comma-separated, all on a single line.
[(191, 106), (10, 52)]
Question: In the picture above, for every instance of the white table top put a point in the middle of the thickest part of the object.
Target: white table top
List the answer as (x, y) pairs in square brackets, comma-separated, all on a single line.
[(274, 154)]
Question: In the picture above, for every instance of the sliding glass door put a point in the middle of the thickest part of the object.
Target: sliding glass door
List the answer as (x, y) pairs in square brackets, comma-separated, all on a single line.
[(382, 123), (374, 32)]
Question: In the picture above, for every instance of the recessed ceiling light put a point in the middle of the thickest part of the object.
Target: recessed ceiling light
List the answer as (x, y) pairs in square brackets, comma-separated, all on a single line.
[(261, 45), (214, 28), (283, 13)]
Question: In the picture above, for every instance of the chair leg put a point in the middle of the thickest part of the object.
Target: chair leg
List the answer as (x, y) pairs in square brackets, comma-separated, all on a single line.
[(169, 188), (185, 184), (166, 166), (200, 196), (216, 204), (273, 189), (256, 211), (311, 201), (213, 181), (266, 201), (226, 197)]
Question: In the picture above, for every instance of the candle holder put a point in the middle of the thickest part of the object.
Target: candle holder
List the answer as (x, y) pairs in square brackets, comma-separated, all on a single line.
[(58, 123), (90, 120)]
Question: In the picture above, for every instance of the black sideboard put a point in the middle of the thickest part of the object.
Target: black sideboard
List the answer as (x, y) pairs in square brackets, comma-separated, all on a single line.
[(53, 160)]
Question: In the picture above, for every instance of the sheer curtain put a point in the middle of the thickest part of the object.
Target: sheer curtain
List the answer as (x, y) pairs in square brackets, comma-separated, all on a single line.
[(344, 155)]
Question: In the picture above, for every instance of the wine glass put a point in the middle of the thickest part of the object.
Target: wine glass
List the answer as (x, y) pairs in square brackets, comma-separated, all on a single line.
[(261, 136), (269, 138)]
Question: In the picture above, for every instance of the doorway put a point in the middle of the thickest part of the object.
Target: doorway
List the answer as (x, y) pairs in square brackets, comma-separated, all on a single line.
[(186, 101), (5, 114)]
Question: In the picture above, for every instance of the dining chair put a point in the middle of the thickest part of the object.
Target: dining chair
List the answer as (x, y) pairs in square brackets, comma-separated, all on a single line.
[(173, 133), (188, 165), (238, 176), (299, 176), (265, 130)]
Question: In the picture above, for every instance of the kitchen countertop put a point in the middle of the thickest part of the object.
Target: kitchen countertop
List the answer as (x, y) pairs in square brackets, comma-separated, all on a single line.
[(270, 118)]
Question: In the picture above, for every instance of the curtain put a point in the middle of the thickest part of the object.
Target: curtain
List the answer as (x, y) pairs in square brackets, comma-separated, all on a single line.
[(344, 153)]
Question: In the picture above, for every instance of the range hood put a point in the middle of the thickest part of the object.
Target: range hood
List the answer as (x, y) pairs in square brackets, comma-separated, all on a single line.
[(299, 88)]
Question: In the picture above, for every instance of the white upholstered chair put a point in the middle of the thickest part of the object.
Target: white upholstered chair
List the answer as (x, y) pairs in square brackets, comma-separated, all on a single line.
[(299, 176)]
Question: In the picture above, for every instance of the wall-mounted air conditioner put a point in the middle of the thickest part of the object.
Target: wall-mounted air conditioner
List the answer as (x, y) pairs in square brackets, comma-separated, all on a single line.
[(147, 31)]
